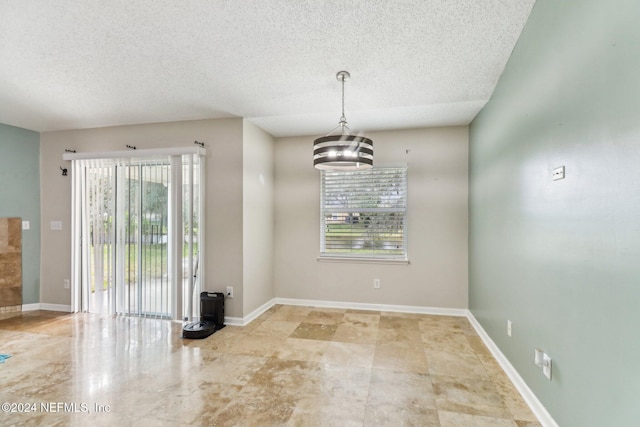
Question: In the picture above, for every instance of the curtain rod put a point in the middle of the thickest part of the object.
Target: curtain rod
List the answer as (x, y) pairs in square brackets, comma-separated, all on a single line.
[(171, 151)]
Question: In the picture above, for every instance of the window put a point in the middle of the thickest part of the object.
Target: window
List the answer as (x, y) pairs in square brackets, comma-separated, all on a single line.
[(363, 213)]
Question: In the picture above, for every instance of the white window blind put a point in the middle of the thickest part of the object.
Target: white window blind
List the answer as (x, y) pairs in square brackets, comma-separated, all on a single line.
[(363, 213)]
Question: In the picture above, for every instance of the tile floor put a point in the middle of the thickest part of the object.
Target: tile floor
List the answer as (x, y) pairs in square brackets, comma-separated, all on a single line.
[(293, 366)]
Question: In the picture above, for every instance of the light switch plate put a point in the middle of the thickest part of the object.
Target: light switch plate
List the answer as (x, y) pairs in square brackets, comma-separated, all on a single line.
[(546, 366), (26, 225), (56, 225), (537, 358)]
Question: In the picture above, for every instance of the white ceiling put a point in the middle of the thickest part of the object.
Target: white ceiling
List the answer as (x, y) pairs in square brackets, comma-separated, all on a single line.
[(414, 63)]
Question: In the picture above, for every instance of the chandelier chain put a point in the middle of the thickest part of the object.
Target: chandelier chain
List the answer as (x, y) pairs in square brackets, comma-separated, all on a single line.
[(343, 118)]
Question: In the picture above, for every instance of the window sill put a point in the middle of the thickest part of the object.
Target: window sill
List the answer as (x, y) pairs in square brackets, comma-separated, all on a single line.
[(363, 260)]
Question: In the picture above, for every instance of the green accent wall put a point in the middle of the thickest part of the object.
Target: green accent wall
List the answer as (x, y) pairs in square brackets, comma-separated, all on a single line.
[(20, 197), (561, 259)]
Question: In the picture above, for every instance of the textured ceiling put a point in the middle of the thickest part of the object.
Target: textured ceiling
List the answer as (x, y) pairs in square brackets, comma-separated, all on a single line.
[(414, 63)]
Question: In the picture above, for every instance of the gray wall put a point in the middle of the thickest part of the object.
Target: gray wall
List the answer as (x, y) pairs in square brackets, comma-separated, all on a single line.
[(561, 259), (258, 217), (20, 197), (437, 159)]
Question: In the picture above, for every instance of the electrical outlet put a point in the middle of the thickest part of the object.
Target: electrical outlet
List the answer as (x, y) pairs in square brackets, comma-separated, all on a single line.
[(509, 327), (376, 283), (229, 291), (543, 360), (558, 173), (66, 283)]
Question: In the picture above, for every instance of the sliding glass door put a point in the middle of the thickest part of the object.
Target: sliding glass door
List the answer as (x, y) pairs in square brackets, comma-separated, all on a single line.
[(137, 227)]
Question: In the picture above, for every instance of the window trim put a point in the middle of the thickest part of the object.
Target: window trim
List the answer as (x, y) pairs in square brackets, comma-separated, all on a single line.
[(363, 260), (402, 259)]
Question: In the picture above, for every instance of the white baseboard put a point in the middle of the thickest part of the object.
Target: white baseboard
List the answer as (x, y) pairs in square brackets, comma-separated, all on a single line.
[(377, 307), (55, 307), (243, 321), (234, 321), (258, 311), (527, 394), (48, 307)]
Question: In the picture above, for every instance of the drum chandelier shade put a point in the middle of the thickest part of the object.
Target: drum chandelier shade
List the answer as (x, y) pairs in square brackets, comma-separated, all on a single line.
[(343, 150)]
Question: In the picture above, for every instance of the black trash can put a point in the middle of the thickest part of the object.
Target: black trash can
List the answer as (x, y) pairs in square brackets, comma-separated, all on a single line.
[(212, 308)]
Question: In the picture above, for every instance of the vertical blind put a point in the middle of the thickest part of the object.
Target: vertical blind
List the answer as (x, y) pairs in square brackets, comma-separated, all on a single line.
[(363, 213), (137, 229)]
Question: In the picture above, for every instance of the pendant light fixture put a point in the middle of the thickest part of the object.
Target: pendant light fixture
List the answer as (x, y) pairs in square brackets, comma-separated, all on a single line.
[(343, 150)]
